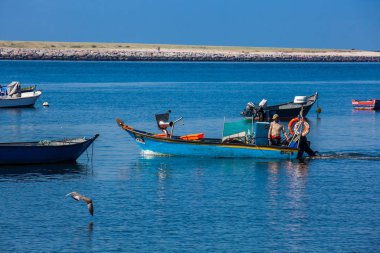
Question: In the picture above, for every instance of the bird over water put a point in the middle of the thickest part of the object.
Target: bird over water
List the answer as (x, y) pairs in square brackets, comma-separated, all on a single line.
[(79, 197)]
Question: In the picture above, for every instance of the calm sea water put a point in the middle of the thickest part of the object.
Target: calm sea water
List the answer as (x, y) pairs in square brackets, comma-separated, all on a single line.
[(191, 205)]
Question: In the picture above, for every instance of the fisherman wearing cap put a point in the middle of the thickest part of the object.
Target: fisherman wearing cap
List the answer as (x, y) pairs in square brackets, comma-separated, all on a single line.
[(275, 129)]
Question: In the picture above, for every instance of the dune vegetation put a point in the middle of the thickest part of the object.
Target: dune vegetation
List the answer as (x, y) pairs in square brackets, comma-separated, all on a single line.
[(136, 46)]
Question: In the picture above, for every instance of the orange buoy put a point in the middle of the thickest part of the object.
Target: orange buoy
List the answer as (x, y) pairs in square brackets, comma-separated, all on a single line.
[(290, 125), (295, 124)]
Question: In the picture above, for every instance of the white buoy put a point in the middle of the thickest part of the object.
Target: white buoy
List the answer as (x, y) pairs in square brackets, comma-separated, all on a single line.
[(46, 104)]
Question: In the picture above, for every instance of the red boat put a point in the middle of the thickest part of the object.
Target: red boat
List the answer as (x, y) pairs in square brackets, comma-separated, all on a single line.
[(371, 104)]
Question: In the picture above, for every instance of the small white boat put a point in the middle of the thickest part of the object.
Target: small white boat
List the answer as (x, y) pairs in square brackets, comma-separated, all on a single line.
[(11, 96)]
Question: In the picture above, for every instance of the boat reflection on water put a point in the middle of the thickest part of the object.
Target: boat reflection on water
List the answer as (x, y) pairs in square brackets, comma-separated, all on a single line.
[(297, 170), (364, 112), (12, 120), (18, 111), (296, 173), (280, 186), (166, 166), (162, 172), (288, 198), (44, 170), (162, 176)]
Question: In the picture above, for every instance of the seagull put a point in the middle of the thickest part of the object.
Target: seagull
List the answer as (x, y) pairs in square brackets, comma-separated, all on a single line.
[(78, 197)]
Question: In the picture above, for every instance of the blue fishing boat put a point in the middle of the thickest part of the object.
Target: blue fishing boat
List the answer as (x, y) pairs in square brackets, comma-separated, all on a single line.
[(235, 143), (45, 151)]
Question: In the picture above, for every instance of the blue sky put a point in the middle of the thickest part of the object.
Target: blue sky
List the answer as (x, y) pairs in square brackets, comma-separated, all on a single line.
[(265, 23)]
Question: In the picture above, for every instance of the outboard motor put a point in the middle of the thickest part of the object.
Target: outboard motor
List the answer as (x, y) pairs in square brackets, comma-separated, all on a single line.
[(163, 123), (263, 103), (261, 112), (250, 106), (249, 110)]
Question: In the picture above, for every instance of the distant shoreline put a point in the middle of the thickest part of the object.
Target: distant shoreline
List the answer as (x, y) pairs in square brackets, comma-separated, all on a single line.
[(20, 50)]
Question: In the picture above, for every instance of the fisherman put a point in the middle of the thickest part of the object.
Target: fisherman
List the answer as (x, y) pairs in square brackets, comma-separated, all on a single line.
[(275, 129), (304, 146)]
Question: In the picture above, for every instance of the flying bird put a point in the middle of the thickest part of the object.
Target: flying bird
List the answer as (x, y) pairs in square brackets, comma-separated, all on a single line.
[(78, 197)]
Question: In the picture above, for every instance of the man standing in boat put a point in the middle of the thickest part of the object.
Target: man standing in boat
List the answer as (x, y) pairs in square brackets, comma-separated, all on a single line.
[(275, 129)]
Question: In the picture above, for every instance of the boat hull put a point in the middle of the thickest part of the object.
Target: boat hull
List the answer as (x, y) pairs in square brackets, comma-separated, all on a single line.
[(288, 112), (206, 147), (372, 104), (150, 146), (43, 152), (27, 99)]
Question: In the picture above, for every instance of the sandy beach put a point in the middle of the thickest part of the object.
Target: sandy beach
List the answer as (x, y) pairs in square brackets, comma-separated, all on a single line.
[(21, 50)]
